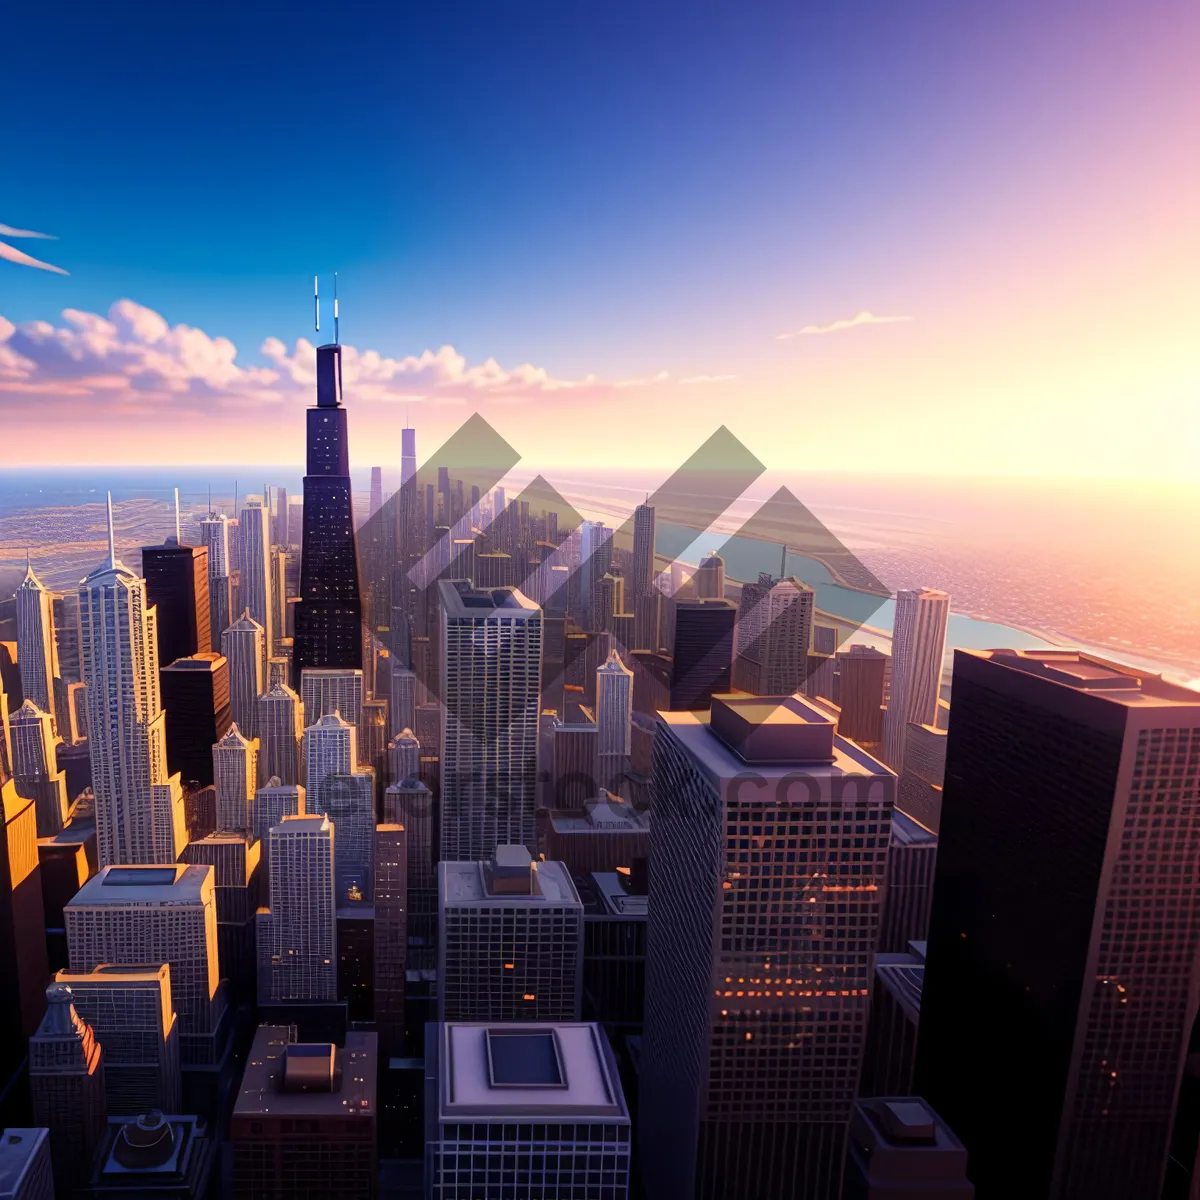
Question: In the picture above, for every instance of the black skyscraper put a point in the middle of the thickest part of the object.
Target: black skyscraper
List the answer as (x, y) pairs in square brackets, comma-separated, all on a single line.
[(195, 693), (177, 583), (703, 652), (329, 612)]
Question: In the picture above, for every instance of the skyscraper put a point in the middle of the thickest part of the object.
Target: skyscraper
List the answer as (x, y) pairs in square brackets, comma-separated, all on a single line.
[(510, 940), (376, 502), (329, 749), (242, 644), (918, 646), (36, 648), (702, 649), (774, 636), (491, 650), (404, 757), (235, 773), (608, 599), (177, 585), (614, 717), (408, 454), (297, 937), (900, 1147), (214, 536), (36, 776), (762, 932), (280, 735), (1066, 923), (391, 934), (329, 615), (139, 806), (709, 580), (272, 802), (195, 695), (254, 525), (332, 690), (644, 528), (861, 670)]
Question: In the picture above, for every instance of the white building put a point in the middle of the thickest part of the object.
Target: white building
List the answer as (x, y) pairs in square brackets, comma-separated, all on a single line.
[(139, 806), (918, 648), (242, 645), (281, 734), (297, 936), (235, 774), (32, 746), (37, 656), (614, 717), (214, 534), (254, 528), (491, 656)]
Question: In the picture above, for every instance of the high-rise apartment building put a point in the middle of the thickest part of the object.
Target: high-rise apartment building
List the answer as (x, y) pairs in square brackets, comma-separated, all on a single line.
[(297, 935), (333, 690), (702, 649), (157, 914), (242, 646), (195, 695), (779, 637), (918, 647), (1066, 923), (254, 526), (235, 773), (643, 572), (214, 536), (769, 846), (37, 652), (32, 751), (131, 1013), (177, 585), (139, 805), (510, 940), (614, 717), (280, 734), (491, 654), (329, 749), (329, 614)]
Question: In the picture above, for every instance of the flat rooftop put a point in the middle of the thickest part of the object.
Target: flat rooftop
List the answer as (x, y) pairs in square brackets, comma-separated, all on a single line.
[(904, 976), (464, 883), (180, 884), (510, 1070), (616, 900), (459, 600), (17, 1150), (262, 1089), (715, 758), (607, 815), (907, 832)]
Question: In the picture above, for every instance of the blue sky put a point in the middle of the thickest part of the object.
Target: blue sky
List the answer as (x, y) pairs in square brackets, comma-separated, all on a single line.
[(618, 189)]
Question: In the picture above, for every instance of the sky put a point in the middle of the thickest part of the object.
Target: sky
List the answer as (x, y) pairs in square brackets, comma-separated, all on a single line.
[(929, 238)]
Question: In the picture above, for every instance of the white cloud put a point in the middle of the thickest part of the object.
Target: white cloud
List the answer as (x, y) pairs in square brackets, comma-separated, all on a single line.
[(708, 379), (9, 231), (13, 255), (861, 318)]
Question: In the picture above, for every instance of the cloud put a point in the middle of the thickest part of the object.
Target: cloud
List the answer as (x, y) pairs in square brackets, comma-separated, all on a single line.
[(9, 231), (708, 379), (13, 255), (133, 361), (861, 318)]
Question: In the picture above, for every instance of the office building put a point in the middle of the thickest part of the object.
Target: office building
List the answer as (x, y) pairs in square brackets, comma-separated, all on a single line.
[(491, 648), (410, 804), (66, 1084), (1078, 775), (277, 560), (177, 586), (525, 1109), (614, 948), (606, 833), (348, 800), (37, 649), (702, 649), (648, 621), (214, 536), (510, 940), (297, 934), (900, 1148), (759, 970), (272, 802), (643, 572), (372, 738), (403, 709), (242, 645), (254, 528), (195, 695), (157, 914), (304, 1122), (391, 935), (575, 758), (404, 757), (614, 717), (235, 772), (709, 579), (234, 858), (329, 749), (608, 599), (280, 734), (329, 614), (35, 774), (157, 1156), (139, 805), (332, 691), (924, 774), (861, 674), (890, 1061), (783, 620), (25, 1167), (918, 647), (129, 1009), (912, 860)]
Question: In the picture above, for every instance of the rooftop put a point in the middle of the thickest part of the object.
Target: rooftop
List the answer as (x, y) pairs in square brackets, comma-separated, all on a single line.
[(460, 600), (206, 660), (615, 897), (907, 1123), (180, 884), (17, 1150), (559, 1070), (463, 883), (608, 814), (351, 1087), (907, 832), (773, 729), (904, 976)]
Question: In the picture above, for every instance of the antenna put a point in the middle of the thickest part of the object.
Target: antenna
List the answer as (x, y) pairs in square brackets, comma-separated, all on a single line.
[(112, 537), (177, 539), (335, 310), (782, 561), (316, 304), (210, 511)]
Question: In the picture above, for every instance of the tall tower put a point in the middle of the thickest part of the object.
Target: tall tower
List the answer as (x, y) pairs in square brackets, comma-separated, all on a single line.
[(408, 454), (376, 502), (235, 772), (329, 613), (614, 718), (1066, 923), (710, 578), (35, 773), (774, 635), (762, 930), (139, 807), (254, 525), (242, 645), (36, 649), (702, 649), (329, 749), (214, 536), (280, 734), (644, 528), (177, 585), (491, 658), (918, 646)]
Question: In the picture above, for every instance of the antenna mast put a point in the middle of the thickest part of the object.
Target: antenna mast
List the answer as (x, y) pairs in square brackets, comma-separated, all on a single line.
[(177, 538), (335, 310), (316, 304), (112, 537)]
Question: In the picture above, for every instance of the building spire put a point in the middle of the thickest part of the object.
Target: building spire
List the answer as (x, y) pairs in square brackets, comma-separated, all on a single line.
[(177, 538), (112, 537)]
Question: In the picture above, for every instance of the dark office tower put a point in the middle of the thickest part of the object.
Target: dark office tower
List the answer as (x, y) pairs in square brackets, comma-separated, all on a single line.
[(643, 553), (430, 509), (66, 1083), (911, 863), (391, 935), (408, 454), (329, 615), (1066, 924), (279, 520), (861, 671), (702, 650), (195, 696), (376, 501), (177, 584), (295, 522), (762, 929), (900, 1150)]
